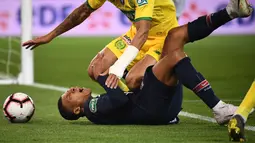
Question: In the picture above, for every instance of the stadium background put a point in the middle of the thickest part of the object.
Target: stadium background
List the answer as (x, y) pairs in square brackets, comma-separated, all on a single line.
[(227, 59)]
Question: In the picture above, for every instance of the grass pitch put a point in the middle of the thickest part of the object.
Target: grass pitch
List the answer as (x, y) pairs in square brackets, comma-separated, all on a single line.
[(228, 62)]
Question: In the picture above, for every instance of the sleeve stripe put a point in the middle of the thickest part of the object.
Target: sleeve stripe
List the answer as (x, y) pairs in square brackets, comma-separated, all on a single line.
[(87, 3), (143, 18)]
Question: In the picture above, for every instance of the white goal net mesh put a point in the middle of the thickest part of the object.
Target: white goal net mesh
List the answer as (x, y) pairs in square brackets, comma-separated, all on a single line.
[(10, 58)]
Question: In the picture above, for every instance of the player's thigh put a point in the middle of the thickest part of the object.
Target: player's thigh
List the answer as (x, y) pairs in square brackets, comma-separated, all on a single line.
[(149, 55), (135, 75), (163, 70), (108, 60), (176, 103), (155, 97), (118, 45)]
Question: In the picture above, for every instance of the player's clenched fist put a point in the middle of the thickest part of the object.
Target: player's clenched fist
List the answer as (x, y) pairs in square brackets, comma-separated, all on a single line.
[(31, 44)]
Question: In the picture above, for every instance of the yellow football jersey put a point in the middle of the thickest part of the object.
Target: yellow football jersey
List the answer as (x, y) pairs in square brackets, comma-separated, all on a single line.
[(161, 12)]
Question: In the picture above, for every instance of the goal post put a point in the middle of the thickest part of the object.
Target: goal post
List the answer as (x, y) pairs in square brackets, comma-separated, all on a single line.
[(27, 57), (16, 62)]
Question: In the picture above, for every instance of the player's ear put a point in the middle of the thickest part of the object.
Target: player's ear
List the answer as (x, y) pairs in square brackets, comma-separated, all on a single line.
[(77, 110)]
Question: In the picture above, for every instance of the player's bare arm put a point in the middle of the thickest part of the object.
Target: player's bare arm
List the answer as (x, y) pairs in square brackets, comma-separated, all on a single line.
[(143, 27), (75, 18), (117, 70)]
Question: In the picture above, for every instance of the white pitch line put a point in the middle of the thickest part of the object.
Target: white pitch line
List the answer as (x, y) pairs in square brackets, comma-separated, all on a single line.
[(225, 100), (182, 113), (208, 119), (52, 87)]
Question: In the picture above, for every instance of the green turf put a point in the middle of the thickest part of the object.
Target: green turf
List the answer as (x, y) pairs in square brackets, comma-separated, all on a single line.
[(227, 62)]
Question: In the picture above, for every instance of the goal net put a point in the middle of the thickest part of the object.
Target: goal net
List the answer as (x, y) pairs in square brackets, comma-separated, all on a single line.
[(10, 61), (16, 63)]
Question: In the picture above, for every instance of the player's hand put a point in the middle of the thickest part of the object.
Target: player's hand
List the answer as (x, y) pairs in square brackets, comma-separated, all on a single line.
[(31, 44), (112, 81)]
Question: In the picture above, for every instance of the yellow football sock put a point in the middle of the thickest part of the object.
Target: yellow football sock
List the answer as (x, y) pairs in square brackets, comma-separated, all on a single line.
[(248, 103), (123, 86)]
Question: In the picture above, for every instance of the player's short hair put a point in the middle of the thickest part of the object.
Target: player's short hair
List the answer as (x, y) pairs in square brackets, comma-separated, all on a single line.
[(66, 114)]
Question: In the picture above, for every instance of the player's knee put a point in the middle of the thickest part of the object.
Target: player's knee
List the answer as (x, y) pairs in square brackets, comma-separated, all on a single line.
[(133, 81), (174, 35), (178, 34), (90, 72)]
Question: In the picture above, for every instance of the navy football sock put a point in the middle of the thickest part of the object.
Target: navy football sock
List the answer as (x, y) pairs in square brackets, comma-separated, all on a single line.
[(193, 80), (205, 25)]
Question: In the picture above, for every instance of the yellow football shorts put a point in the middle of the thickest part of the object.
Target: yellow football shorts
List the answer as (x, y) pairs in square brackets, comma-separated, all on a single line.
[(153, 46)]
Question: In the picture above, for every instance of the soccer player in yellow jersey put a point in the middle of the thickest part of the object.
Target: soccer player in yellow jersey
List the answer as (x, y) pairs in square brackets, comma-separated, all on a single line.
[(237, 123), (154, 26), (139, 48)]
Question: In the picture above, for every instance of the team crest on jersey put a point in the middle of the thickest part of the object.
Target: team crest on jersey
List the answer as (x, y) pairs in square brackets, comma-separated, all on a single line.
[(141, 2), (120, 44), (93, 105)]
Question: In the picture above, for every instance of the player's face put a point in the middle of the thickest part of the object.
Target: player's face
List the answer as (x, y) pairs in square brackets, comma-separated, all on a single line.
[(75, 97)]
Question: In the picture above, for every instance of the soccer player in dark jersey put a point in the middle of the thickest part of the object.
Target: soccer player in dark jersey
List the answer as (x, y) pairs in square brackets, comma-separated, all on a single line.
[(184, 70), (158, 101)]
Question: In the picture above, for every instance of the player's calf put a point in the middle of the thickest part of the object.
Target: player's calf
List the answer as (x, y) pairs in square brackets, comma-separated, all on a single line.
[(195, 81), (205, 25)]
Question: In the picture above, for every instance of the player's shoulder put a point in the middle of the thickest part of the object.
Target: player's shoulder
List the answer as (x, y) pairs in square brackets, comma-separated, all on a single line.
[(91, 104)]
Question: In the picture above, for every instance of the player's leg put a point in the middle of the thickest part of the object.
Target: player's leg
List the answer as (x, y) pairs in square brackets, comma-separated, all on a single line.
[(111, 53), (236, 124), (160, 91), (205, 25), (248, 103), (185, 71), (196, 82), (155, 99), (152, 52), (135, 74), (108, 60)]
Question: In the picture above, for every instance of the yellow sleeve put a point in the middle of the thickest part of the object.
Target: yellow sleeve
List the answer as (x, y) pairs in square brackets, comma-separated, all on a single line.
[(95, 4), (144, 9)]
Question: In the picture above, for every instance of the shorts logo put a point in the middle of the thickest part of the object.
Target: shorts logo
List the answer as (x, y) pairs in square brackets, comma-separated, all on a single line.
[(127, 39), (93, 105), (141, 2), (120, 44), (157, 52)]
